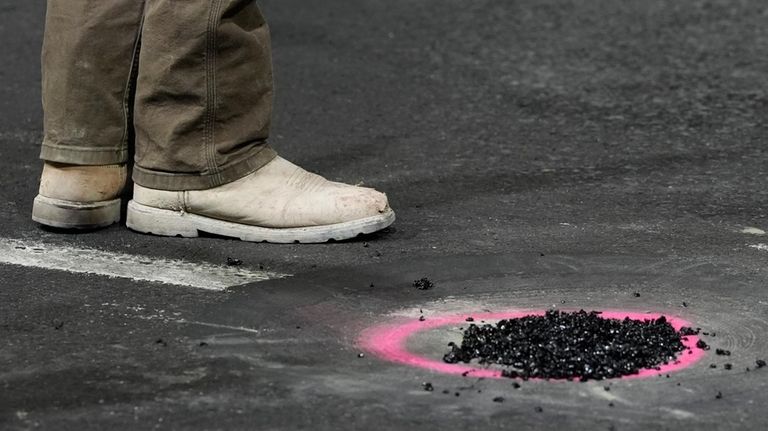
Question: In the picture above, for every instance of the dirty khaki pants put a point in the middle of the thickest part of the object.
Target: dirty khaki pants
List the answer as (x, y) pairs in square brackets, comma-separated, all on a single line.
[(188, 81)]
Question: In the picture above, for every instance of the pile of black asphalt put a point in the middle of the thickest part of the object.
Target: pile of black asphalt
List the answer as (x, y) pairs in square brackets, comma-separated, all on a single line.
[(570, 345)]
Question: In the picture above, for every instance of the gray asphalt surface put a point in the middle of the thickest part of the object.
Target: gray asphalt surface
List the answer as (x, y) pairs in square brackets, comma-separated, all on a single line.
[(537, 152)]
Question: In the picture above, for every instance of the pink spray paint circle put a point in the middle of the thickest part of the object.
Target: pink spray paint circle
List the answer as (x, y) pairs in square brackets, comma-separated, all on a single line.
[(389, 342)]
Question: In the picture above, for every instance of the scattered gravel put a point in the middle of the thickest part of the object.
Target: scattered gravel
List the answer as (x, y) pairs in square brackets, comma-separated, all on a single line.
[(689, 331), (423, 284)]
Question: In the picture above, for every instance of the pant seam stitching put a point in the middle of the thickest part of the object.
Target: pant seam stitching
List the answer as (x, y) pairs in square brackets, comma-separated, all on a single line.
[(219, 178), (196, 181), (129, 84), (210, 118), (261, 153), (78, 148)]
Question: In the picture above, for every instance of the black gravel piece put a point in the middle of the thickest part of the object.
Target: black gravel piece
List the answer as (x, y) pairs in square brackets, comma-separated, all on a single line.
[(760, 363), (569, 345), (428, 387), (688, 331), (231, 261), (498, 400), (423, 284), (719, 395), (728, 366), (723, 352), (702, 345)]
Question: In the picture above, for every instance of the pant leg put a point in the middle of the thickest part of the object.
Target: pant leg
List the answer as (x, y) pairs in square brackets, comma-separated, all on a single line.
[(204, 94), (87, 57)]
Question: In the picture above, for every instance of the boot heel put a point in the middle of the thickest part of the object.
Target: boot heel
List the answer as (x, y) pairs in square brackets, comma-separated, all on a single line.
[(75, 215), (145, 219)]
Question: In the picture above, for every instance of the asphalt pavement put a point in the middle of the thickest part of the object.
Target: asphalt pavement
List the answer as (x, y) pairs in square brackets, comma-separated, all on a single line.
[(538, 154)]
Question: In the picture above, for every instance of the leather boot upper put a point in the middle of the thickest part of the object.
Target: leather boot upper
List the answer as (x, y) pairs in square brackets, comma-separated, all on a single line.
[(83, 183), (279, 195)]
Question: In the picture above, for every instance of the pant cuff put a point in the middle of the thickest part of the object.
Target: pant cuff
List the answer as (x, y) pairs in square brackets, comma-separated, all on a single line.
[(171, 181), (83, 156)]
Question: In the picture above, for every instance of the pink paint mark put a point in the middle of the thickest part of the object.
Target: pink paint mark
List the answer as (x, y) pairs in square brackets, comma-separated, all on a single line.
[(389, 341)]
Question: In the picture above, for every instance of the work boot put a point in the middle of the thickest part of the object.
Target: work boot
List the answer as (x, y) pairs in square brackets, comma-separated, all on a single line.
[(79, 197), (279, 203)]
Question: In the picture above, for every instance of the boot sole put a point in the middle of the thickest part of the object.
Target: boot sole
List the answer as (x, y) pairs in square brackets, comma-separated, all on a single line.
[(146, 219), (64, 214)]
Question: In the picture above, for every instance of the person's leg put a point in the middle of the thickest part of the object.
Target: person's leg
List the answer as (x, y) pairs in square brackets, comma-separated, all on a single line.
[(87, 58), (203, 108), (204, 94), (202, 114)]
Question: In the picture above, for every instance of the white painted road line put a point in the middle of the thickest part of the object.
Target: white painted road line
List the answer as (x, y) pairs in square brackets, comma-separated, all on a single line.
[(120, 265), (761, 247), (753, 231)]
